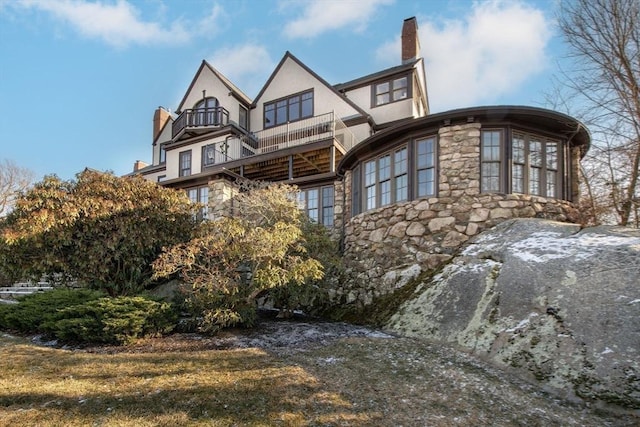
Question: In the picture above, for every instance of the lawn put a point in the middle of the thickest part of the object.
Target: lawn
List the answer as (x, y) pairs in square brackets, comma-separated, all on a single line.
[(346, 379)]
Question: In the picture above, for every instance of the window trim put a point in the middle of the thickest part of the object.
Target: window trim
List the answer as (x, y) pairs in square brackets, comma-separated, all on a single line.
[(389, 81), (287, 100), (181, 170), (162, 159), (203, 213), (500, 161), (243, 124)]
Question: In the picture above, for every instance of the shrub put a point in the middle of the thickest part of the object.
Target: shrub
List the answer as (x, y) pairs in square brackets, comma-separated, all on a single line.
[(88, 316), (112, 320), (35, 309)]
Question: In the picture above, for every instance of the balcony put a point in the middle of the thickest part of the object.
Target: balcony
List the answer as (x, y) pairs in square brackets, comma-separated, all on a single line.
[(196, 121), (301, 132)]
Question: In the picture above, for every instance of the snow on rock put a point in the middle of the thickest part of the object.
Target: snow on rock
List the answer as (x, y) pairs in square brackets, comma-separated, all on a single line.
[(554, 302)]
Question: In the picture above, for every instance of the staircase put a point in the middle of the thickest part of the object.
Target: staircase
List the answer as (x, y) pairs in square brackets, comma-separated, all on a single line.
[(8, 294)]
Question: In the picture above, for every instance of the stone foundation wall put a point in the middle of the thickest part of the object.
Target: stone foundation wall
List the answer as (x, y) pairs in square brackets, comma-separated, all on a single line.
[(386, 247)]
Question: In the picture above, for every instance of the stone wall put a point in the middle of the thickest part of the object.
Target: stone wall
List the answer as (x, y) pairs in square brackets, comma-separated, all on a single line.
[(386, 247)]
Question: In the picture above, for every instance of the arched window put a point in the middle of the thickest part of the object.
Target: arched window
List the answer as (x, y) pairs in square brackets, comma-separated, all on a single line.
[(207, 112)]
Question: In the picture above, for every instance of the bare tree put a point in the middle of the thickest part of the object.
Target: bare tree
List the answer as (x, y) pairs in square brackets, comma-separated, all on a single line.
[(13, 180), (604, 82)]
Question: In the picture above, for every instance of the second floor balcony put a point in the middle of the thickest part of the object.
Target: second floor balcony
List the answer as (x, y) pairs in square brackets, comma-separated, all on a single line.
[(199, 120)]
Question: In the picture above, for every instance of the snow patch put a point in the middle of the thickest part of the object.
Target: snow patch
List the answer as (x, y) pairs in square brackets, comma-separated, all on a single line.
[(635, 301), (523, 323), (607, 350)]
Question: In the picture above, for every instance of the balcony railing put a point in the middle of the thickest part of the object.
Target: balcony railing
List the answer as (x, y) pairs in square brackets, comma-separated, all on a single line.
[(200, 118), (301, 132)]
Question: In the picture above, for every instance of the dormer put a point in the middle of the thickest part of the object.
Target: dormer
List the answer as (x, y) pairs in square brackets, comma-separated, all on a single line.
[(210, 103)]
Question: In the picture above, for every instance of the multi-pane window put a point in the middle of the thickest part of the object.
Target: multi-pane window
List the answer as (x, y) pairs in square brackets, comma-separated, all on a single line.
[(390, 91), (184, 159), (290, 109), (535, 163), (318, 204), (426, 166), (490, 159), (200, 195), (386, 179), (208, 155)]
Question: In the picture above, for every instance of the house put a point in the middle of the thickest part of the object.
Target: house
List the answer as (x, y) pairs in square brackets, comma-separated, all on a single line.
[(400, 186)]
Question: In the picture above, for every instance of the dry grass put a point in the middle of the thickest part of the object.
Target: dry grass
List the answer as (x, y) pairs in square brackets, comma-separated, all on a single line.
[(357, 381)]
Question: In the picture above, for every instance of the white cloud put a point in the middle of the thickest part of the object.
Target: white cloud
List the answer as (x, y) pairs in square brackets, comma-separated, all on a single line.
[(319, 16), (118, 24), (475, 59), (247, 66)]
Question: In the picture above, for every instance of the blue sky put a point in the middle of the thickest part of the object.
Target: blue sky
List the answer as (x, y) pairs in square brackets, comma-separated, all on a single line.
[(80, 80)]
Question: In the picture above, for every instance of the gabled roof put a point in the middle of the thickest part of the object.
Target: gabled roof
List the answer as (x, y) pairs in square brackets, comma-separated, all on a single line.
[(361, 81), (232, 88), (289, 55)]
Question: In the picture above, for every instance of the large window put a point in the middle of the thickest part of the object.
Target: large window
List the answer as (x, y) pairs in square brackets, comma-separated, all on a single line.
[(390, 91), (184, 159), (290, 109), (534, 167), (200, 195), (386, 179), (318, 204)]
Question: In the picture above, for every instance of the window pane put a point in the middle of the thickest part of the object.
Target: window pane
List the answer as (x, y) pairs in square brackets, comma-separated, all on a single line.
[(385, 168), (204, 199), (491, 146), (426, 153), (163, 154), (400, 162), (369, 173), (425, 183), (269, 115), (243, 118), (491, 177), (209, 155), (281, 112), (382, 99), (307, 104), (402, 188), (551, 184), (312, 204), (535, 153), (382, 88), (552, 155), (193, 194), (534, 181), (371, 197), (294, 108), (400, 88), (518, 179), (385, 193), (518, 149)]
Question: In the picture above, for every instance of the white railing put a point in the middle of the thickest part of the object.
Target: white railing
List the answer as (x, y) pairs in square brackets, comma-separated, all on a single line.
[(301, 132)]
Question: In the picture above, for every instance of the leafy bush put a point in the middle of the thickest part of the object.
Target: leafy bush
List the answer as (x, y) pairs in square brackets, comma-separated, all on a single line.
[(100, 229), (88, 316), (35, 309), (231, 261)]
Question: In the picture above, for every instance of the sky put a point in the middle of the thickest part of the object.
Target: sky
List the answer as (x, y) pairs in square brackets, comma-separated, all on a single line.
[(80, 80)]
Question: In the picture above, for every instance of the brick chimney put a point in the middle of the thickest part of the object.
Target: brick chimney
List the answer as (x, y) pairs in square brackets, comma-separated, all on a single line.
[(160, 117), (139, 164), (410, 42)]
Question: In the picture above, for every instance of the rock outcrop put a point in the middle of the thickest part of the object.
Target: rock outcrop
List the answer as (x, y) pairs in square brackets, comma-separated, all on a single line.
[(555, 302)]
